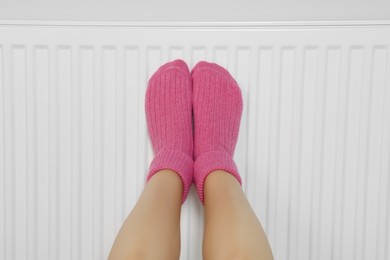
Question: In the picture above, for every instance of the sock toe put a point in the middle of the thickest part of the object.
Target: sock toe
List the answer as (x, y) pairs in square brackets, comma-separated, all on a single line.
[(213, 67), (175, 64)]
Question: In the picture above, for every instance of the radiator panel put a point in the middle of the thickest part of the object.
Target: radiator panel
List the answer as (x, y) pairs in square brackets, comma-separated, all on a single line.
[(313, 149)]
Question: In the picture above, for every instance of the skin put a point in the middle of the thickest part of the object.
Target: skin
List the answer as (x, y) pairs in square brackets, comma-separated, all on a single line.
[(232, 230), (146, 236)]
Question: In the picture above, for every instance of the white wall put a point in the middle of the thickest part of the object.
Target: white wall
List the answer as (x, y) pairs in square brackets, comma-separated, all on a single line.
[(195, 10)]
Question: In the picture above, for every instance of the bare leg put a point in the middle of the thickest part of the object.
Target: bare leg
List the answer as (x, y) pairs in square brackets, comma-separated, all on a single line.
[(232, 230), (152, 229)]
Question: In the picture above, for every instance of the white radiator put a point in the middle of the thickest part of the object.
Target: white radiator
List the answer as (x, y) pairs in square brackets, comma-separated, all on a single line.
[(313, 149)]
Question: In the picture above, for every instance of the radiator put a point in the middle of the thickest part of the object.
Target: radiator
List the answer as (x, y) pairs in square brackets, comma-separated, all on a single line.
[(313, 148)]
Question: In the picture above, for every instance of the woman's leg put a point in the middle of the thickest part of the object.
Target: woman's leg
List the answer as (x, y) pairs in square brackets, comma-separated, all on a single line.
[(152, 229), (232, 230)]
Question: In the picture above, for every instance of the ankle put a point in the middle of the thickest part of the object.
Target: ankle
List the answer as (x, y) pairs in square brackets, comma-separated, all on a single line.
[(221, 178), (167, 181), (220, 187)]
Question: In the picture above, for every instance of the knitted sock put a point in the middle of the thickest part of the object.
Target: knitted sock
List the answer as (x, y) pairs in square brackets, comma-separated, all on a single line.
[(217, 104), (168, 106)]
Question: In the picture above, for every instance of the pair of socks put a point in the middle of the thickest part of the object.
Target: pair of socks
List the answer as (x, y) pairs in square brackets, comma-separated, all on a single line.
[(193, 120)]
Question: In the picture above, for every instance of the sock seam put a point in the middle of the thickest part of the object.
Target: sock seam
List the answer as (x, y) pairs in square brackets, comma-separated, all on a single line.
[(214, 151), (162, 150)]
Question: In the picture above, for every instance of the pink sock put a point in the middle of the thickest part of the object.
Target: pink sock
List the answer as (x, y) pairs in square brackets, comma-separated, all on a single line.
[(168, 107), (217, 104)]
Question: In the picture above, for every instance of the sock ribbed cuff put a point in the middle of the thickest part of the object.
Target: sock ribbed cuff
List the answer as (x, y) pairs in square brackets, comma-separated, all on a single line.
[(176, 161), (211, 161)]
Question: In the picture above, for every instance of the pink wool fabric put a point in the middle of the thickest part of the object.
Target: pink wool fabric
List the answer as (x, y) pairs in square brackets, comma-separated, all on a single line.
[(168, 107), (217, 107)]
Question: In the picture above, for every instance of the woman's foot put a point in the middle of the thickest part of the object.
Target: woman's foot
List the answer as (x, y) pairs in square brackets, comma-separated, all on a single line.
[(168, 107), (217, 104)]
